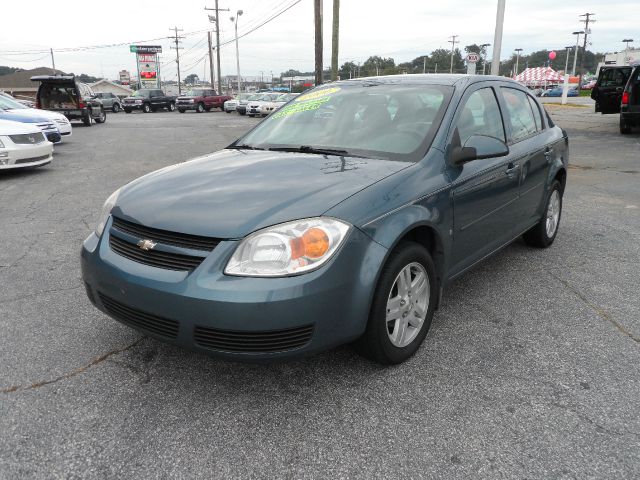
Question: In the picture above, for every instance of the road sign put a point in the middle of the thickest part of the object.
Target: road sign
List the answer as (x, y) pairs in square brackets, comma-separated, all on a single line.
[(473, 58), (145, 48)]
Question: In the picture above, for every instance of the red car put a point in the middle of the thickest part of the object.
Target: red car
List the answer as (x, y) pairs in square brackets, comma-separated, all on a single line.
[(201, 100)]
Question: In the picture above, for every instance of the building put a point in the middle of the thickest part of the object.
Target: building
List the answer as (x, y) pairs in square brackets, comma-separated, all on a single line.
[(625, 57), (105, 86)]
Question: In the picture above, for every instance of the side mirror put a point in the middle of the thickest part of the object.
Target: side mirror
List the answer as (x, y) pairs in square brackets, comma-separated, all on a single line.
[(478, 147)]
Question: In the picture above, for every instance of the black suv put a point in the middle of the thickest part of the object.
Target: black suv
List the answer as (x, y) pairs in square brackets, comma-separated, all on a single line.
[(149, 100), (64, 94), (630, 103), (607, 91)]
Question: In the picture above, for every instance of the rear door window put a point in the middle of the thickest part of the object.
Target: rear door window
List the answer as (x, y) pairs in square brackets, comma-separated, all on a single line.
[(614, 77), (536, 113), (519, 113)]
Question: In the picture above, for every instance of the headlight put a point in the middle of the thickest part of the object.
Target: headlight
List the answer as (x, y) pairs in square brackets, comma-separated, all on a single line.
[(289, 248), (106, 211)]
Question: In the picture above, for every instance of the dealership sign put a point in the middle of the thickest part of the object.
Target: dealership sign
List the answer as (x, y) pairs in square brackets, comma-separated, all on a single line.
[(145, 48), (148, 65)]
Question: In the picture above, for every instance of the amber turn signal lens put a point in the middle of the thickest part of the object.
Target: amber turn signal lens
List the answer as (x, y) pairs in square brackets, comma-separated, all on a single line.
[(316, 243)]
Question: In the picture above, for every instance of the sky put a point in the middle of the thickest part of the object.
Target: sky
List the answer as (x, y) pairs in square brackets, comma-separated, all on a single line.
[(402, 29)]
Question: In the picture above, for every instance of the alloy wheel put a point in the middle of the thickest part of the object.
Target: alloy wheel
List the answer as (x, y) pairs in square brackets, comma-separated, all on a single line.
[(407, 304), (553, 213)]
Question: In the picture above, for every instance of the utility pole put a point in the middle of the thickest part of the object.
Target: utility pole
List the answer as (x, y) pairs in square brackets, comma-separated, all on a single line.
[(497, 38), (567, 52), (317, 9), (335, 39), (216, 20), (176, 38), (424, 64), (235, 21), (575, 53), (453, 42), (213, 78), (586, 21), (53, 62)]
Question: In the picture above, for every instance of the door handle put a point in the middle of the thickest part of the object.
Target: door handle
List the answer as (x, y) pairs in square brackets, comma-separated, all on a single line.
[(512, 168)]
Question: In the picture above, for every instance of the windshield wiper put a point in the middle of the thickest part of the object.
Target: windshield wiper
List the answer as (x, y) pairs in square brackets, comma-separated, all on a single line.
[(244, 147), (309, 149)]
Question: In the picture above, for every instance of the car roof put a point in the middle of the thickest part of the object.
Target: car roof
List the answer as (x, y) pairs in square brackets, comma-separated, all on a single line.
[(53, 78), (428, 79)]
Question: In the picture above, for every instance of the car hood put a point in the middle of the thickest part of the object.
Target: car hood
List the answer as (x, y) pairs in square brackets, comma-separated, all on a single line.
[(24, 116), (232, 193), (8, 127)]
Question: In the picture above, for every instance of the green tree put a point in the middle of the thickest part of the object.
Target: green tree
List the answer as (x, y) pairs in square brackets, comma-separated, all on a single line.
[(440, 59), (376, 65), (347, 70)]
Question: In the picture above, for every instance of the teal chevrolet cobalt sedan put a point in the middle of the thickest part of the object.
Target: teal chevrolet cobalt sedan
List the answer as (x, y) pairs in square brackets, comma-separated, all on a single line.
[(341, 218)]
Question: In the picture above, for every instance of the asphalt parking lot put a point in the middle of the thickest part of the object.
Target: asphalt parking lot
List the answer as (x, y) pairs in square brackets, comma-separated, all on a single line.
[(530, 369)]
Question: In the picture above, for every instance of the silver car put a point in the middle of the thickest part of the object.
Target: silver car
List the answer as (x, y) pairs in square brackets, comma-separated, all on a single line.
[(110, 100)]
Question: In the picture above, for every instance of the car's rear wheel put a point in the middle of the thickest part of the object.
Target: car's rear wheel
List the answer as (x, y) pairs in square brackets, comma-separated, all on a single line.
[(181, 110), (403, 306), (87, 119), (545, 231), (115, 108), (625, 127), (102, 117), (146, 108), (172, 107), (200, 107)]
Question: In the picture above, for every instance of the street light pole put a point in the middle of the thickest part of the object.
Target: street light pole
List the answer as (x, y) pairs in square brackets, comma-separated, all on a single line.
[(567, 52), (497, 39), (518, 50), (627, 41), (575, 53), (484, 61), (235, 22)]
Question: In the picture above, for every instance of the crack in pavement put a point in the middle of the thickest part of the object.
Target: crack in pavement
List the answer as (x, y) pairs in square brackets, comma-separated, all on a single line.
[(599, 311), (73, 373), (35, 294)]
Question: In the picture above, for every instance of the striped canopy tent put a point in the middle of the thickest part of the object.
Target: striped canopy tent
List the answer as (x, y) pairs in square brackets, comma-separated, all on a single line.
[(538, 76)]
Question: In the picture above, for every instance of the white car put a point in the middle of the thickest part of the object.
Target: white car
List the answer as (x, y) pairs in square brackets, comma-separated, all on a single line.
[(253, 107), (23, 145), (269, 107), (230, 105), (9, 103)]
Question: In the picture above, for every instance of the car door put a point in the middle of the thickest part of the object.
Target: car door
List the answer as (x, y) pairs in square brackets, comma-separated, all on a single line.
[(484, 191), (531, 145), (608, 90)]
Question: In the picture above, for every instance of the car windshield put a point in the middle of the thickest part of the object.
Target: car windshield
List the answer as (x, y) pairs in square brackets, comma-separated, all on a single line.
[(8, 104), (254, 97), (195, 93), (243, 96), (141, 93), (286, 97), (396, 122)]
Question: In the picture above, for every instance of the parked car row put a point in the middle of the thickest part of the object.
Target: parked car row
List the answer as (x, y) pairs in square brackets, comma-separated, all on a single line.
[(259, 104), (617, 90)]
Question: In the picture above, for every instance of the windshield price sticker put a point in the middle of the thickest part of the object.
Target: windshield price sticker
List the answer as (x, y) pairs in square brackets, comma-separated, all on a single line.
[(300, 107), (317, 94)]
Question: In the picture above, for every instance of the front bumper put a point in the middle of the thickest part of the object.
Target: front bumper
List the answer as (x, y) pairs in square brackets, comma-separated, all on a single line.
[(186, 106), (132, 106), (332, 303), (25, 156)]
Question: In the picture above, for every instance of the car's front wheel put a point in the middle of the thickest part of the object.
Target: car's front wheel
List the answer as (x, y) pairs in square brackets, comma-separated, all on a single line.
[(115, 108), (172, 107), (402, 307), (146, 108), (544, 232), (200, 107)]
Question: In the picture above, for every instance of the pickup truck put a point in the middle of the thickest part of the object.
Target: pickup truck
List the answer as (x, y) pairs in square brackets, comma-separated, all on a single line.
[(201, 100), (149, 100)]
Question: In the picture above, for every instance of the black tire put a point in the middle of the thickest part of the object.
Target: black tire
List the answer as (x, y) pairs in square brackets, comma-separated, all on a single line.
[(87, 118), (127, 110), (103, 116), (625, 128), (241, 113), (200, 108), (538, 236), (171, 107), (228, 111), (146, 108), (115, 108), (375, 344), (251, 115), (181, 110)]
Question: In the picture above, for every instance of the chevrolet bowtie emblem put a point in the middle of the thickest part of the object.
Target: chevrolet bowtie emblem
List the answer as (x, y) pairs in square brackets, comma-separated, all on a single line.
[(146, 244)]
